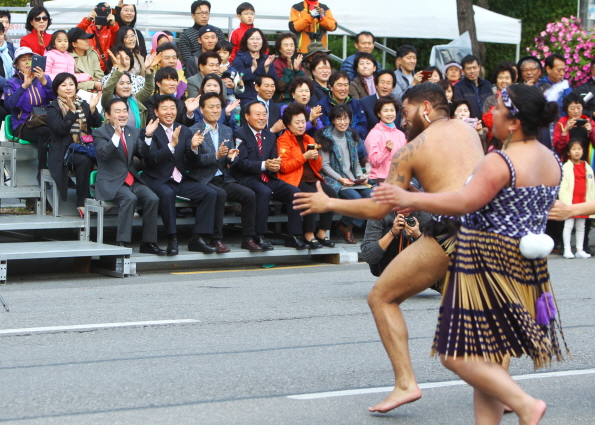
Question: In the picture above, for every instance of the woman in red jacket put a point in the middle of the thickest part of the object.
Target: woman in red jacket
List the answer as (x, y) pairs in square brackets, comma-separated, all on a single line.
[(573, 126), (300, 166), (104, 35), (38, 22)]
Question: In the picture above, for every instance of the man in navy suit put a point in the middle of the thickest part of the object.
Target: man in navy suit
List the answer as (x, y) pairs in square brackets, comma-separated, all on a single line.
[(265, 89), (165, 173), (256, 168), (209, 164), (385, 84), (116, 143)]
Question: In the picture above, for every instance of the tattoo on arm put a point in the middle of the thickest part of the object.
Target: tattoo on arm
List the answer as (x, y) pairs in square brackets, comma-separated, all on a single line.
[(403, 155)]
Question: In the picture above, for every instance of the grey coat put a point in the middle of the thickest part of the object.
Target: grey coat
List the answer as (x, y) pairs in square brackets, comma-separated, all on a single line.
[(204, 165)]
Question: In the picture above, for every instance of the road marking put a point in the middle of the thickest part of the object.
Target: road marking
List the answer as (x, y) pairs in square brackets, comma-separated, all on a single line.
[(430, 385), (51, 329), (254, 270)]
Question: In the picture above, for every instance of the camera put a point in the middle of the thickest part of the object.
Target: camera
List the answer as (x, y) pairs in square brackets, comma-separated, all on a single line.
[(410, 221)]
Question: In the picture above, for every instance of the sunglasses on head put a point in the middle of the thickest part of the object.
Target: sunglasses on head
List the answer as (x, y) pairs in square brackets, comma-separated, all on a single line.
[(41, 18)]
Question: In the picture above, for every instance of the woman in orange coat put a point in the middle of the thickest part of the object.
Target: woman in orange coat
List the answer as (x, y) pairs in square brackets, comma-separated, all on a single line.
[(300, 166)]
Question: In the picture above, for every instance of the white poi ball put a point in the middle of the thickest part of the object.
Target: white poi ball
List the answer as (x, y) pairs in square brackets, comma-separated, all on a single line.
[(534, 246)]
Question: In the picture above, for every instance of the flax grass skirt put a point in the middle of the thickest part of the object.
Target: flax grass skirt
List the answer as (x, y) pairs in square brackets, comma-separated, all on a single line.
[(488, 305)]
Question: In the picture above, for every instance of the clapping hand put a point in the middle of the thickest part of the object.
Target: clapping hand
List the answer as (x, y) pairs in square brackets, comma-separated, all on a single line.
[(95, 100), (297, 62), (155, 59), (315, 113), (192, 104), (278, 126), (197, 140), (151, 127), (222, 151), (70, 104), (231, 107), (175, 137)]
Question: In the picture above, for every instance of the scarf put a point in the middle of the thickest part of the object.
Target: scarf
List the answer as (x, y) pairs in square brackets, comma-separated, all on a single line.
[(80, 124), (133, 105), (6, 60), (369, 82)]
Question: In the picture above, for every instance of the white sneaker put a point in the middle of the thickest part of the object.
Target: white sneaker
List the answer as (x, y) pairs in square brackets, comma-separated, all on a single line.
[(568, 254), (582, 254)]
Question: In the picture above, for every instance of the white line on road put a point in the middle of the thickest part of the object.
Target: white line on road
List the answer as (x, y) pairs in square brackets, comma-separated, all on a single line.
[(437, 385), (52, 329)]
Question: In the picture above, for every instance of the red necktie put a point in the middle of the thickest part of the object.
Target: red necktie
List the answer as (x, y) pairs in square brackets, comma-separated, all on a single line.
[(129, 178), (263, 175)]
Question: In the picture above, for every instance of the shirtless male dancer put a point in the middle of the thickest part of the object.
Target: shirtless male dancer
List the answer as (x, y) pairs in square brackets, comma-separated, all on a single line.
[(441, 154)]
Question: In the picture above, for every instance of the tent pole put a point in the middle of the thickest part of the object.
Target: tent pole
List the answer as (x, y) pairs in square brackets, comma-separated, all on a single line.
[(345, 47), (229, 25), (384, 54), (518, 52)]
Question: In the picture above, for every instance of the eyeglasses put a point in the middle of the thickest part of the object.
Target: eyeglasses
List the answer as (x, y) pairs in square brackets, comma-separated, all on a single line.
[(129, 36), (41, 18), (203, 13), (342, 119)]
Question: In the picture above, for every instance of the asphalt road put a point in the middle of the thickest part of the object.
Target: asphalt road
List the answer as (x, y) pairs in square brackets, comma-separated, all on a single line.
[(258, 338)]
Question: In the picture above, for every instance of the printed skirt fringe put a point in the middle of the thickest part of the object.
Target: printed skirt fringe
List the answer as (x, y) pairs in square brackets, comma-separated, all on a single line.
[(488, 306)]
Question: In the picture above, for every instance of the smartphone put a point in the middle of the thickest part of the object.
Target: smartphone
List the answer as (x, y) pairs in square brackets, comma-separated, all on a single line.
[(38, 61), (473, 122), (580, 123), (358, 181), (426, 75), (311, 147)]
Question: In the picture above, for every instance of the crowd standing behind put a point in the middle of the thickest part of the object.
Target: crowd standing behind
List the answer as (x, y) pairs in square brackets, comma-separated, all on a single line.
[(246, 98)]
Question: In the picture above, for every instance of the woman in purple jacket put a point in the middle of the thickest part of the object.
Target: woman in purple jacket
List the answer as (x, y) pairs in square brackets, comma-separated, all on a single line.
[(26, 90)]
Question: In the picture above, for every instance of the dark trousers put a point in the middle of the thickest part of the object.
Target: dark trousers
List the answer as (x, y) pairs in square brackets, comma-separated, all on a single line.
[(326, 219), (127, 198), (354, 194), (82, 165), (554, 230), (279, 191), (234, 192), (40, 136), (204, 197)]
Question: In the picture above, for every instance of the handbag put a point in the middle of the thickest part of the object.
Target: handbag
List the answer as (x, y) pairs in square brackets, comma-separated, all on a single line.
[(85, 137), (87, 149), (38, 117)]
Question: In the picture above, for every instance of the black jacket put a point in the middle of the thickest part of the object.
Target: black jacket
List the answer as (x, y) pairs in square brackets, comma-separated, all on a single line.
[(464, 89), (181, 117), (583, 90), (247, 166), (61, 138)]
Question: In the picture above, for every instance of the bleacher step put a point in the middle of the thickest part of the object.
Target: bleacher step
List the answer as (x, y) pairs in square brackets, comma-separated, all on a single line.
[(9, 222)]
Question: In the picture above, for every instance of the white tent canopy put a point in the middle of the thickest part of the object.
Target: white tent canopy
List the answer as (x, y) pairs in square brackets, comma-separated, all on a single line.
[(384, 18)]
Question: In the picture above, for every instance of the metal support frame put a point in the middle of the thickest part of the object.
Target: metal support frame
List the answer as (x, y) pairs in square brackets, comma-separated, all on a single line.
[(46, 179)]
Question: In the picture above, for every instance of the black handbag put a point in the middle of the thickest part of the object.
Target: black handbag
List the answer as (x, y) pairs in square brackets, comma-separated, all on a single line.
[(38, 117)]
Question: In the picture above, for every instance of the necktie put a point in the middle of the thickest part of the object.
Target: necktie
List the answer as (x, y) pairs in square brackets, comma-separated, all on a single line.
[(263, 175), (177, 176), (129, 177)]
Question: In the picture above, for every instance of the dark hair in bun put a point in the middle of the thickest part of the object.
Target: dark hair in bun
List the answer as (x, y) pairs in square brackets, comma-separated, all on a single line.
[(535, 112)]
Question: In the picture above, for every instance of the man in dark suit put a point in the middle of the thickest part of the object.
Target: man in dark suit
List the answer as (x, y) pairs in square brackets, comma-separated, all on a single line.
[(385, 83), (165, 173), (209, 163), (265, 89), (116, 143), (256, 168)]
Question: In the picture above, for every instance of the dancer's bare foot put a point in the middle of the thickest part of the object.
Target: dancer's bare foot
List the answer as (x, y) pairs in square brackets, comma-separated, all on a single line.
[(535, 415), (397, 398)]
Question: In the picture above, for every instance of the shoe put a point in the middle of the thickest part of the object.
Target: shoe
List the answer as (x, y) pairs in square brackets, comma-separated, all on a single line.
[(260, 240), (219, 246), (200, 245), (582, 254), (325, 242), (120, 243), (251, 246), (172, 246), (151, 248), (314, 244), (294, 242), (348, 236), (568, 254), (557, 249)]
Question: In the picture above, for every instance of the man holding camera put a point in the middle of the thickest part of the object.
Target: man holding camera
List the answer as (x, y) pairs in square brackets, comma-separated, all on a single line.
[(311, 20), (102, 24)]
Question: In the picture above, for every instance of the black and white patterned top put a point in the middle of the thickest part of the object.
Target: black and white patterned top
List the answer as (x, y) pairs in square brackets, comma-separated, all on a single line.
[(515, 211)]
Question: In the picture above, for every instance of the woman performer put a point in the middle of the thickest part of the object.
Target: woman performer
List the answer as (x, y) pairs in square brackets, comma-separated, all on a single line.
[(493, 303)]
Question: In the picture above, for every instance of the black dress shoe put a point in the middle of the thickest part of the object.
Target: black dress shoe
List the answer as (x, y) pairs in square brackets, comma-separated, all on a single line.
[(294, 242), (263, 243), (172, 246), (120, 243), (314, 244), (200, 245), (151, 248), (251, 246), (326, 242)]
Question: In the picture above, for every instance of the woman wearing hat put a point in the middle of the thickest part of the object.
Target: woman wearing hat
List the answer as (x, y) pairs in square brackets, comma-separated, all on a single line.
[(38, 22), (86, 60), (453, 72), (29, 89)]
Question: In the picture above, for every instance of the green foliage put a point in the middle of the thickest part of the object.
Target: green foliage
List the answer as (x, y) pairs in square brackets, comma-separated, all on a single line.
[(13, 3)]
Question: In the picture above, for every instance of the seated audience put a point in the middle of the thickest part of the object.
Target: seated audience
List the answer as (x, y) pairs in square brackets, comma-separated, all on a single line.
[(27, 90), (126, 17), (213, 84), (138, 82), (116, 144), (86, 60), (363, 84), (340, 165), (300, 166), (364, 43), (167, 175), (320, 68), (200, 11), (288, 66), (37, 23), (207, 38), (126, 42), (6, 69), (70, 120), (252, 61), (58, 59), (245, 12), (384, 139), (310, 21), (104, 36), (385, 83), (168, 57), (256, 167), (120, 85), (300, 89), (209, 164), (234, 85), (208, 63), (574, 126), (166, 81)]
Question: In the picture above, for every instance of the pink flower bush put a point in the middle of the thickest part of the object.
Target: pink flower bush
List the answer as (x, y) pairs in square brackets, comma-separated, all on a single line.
[(568, 38)]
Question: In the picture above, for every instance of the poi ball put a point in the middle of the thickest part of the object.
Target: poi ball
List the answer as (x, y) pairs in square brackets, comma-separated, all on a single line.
[(534, 246)]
